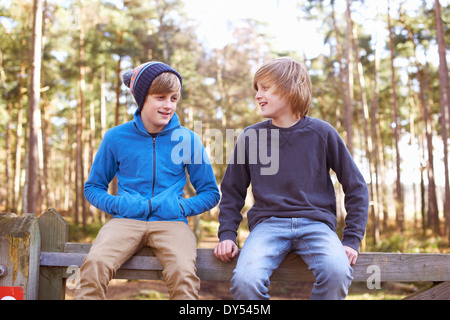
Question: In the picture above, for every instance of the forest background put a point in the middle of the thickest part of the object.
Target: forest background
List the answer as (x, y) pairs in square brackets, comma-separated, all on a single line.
[(380, 77)]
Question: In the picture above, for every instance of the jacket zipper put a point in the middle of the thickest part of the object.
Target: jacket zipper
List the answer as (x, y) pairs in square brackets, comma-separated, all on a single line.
[(154, 159), (154, 173), (154, 165)]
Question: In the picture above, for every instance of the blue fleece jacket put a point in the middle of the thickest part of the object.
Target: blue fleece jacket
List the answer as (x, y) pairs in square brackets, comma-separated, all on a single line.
[(151, 173), (300, 186)]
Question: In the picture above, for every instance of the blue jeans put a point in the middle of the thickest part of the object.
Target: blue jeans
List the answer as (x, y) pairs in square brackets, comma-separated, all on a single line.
[(269, 243)]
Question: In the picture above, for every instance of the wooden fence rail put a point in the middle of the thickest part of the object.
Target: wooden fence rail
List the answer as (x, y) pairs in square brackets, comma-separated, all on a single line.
[(60, 260)]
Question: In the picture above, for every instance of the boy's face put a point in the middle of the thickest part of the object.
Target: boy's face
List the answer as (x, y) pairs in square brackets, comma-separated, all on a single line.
[(273, 106), (158, 109)]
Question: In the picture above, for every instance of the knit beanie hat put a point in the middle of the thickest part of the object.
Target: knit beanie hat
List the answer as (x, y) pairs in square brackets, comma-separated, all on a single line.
[(140, 79)]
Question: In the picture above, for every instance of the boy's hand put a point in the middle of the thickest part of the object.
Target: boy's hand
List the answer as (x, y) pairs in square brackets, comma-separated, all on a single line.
[(226, 250), (352, 255)]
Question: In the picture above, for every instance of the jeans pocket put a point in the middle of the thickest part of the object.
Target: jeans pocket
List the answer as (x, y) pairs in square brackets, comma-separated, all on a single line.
[(268, 220)]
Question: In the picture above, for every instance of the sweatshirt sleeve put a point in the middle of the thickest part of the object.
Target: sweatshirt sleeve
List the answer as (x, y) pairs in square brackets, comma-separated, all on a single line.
[(234, 190), (356, 199), (203, 180)]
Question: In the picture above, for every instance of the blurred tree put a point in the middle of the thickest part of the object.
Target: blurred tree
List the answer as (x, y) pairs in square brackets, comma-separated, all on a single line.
[(34, 111)]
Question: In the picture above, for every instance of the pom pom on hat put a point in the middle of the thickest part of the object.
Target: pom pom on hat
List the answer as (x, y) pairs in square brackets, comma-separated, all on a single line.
[(126, 77), (140, 79)]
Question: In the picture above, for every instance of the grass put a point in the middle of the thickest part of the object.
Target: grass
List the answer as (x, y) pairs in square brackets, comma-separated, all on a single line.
[(388, 291), (410, 241)]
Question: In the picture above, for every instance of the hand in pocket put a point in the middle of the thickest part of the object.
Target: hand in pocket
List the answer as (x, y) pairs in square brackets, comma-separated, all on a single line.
[(133, 206)]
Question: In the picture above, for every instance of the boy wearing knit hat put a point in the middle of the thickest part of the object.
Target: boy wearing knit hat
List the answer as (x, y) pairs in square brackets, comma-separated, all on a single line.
[(149, 209)]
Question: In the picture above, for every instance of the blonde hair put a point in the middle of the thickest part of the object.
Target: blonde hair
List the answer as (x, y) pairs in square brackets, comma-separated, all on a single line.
[(291, 81), (165, 83)]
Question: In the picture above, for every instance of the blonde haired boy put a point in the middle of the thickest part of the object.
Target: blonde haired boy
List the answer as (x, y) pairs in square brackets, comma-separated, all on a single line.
[(295, 208)]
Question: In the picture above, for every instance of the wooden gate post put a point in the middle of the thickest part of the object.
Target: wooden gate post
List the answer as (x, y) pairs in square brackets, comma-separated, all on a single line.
[(19, 255), (54, 235)]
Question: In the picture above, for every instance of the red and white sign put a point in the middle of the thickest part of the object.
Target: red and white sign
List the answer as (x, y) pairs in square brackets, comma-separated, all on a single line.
[(11, 293)]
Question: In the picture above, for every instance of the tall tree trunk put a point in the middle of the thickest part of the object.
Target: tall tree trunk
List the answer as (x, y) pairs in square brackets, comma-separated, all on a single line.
[(422, 76), (161, 7), (433, 211), (414, 140), (116, 122), (80, 126), (43, 136), (445, 108), (368, 141), (398, 185), (102, 120), (19, 137), (7, 183), (91, 209), (102, 104), (378, 158), (91, 132), (118, 82), (34, 110), (8, 152), (46, 151), (342, 91), (348, 107), (68, 168)]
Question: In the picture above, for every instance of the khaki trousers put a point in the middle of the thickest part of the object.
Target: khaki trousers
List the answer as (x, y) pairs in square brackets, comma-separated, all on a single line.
[(174, 245)]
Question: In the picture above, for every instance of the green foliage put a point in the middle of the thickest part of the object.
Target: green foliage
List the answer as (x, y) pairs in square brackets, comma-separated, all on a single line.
[(410, 241), (85, 235), (209, 228)]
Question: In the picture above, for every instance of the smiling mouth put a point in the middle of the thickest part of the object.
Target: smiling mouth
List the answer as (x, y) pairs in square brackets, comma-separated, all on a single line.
[(262, 104), (164, 114)]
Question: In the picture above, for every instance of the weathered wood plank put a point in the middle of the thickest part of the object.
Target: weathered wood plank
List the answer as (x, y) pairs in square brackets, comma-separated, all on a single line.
[(54, 235), (57, 259), (437, 291), (75, 247), (403, 267), (384, 267), (19, 252), (208, 266)]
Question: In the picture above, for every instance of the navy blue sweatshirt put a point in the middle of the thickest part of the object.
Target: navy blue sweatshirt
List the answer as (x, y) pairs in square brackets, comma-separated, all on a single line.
[(290, 176)]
